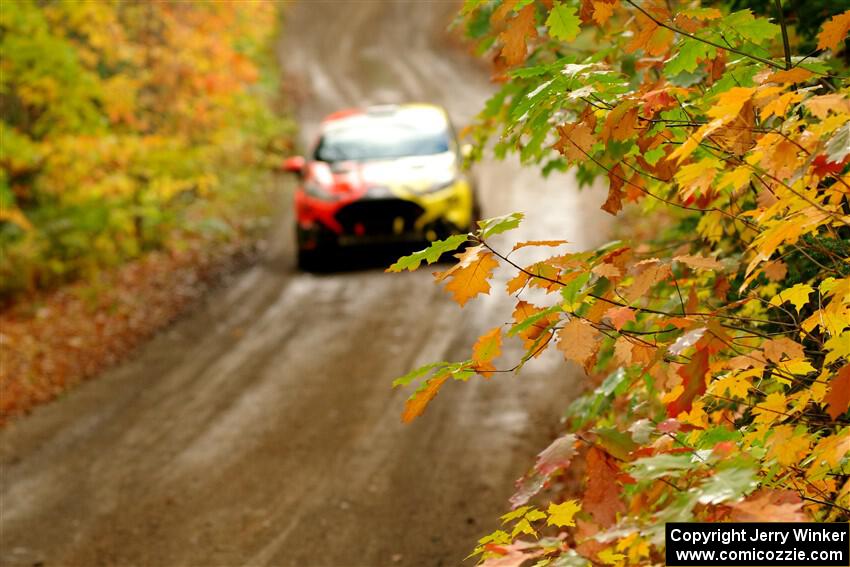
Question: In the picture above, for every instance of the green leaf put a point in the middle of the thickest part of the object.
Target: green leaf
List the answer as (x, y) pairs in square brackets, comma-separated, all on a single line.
[(498, 225), (430, 254), (414, 374), (661, 465), (572, 290), (529, 321), (563, 23), (757, 30), (727, 485), (687, 57)]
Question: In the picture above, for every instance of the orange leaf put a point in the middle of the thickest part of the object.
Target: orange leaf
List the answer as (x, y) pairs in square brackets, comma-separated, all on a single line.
[(520, 28), (834, 31), (577, 340), (838, 398), (615, 191), (775, 348), (769, 506), (486, 348), (602, 495), (646, 279), (620, 316), (693, 380), (469, 277), (417, 403), (699, 262), (602, 11), (519, 245), (796, 75)]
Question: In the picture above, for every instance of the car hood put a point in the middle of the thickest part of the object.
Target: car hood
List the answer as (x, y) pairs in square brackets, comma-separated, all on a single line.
[(411, 174)]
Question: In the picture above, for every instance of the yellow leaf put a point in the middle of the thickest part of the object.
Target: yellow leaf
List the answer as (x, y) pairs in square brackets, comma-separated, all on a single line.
[(798, 295), (736, 178), (562, 514), (609, 557), (786, 447), (772, 408), (730, 103), (834, 31)]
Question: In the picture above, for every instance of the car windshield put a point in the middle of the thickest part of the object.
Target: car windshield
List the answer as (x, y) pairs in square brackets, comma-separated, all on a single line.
[(376, 139)]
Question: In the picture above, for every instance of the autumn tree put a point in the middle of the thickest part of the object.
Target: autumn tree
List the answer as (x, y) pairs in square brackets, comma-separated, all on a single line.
[(715, 337), (127, 126)]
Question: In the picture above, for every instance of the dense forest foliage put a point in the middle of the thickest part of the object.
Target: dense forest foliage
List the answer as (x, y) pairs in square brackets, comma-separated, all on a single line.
[(129, 126), (716, 332)]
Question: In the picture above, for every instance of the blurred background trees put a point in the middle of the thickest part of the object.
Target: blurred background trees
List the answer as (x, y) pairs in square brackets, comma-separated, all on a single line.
[(129, 126)]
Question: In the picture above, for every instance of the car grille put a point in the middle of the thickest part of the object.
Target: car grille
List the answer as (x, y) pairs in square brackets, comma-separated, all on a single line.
[(378, 216)]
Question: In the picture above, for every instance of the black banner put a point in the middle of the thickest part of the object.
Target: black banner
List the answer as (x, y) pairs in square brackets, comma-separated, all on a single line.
[(758, 544)]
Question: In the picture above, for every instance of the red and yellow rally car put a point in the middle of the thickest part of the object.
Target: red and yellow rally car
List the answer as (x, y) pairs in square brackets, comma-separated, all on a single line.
[(384, 174)]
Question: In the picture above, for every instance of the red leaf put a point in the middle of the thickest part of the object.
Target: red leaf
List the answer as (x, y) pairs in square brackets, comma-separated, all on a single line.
[(602, 495), (693, 379), (838, 398)]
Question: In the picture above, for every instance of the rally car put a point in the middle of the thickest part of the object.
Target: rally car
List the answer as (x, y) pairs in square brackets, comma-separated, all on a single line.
[(379, 175)]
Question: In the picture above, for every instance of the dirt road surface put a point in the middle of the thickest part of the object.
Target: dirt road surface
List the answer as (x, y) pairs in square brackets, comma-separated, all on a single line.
[(262, 429)]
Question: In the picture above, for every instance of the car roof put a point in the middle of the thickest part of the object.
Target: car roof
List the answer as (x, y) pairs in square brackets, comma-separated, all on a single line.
[(429, 115)]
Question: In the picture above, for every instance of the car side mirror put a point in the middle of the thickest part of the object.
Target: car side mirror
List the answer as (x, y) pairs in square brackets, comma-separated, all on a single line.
[(466, 151), (294, 164)]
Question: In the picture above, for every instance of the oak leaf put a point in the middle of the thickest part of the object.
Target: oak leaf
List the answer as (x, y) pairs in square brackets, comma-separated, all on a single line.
[(469, 277), (486, 348), (578, 340), (834, 31), (521, 28), (615, 191)]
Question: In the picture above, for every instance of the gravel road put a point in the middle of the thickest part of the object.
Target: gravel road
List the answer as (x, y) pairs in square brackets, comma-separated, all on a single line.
[(261, 429)]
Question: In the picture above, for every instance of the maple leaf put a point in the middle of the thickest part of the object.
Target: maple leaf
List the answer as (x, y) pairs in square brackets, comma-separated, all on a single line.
[(775, 348), (837, 399), (538, 321), (486, 348), (417, 403), (602, 11), (620, 316), (786, 446), (602, 495), (820, 106), (615, 193), (796, 75), (776, 270), (769, 506), (578, 340), (834, 31), (575, 140), (798, 295), (521, 28), (653, 274), (562, 514), (469, 277), (693, 382)]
